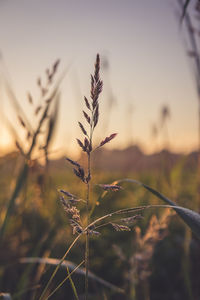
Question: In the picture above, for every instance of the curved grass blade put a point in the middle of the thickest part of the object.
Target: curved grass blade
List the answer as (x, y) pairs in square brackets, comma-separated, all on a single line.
[(5, 296), (55, 290), (67, 264), (23, 280), (72, 284), (59, 265), (190, 217)]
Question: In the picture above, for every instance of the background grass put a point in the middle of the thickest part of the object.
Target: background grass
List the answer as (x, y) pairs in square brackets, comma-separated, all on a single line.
[(39, 227)]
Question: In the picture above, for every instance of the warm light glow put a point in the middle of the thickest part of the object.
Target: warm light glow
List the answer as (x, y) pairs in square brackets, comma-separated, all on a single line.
[(6, 143), (144, 66)]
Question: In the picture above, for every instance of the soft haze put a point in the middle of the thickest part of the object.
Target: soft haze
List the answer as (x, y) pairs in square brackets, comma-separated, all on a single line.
[(147, 67)]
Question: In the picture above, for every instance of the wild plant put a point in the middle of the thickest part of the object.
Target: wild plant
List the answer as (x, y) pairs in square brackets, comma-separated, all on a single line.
[(71, 203), (91, 116), (89, 226), (37, 140), (76, 207)]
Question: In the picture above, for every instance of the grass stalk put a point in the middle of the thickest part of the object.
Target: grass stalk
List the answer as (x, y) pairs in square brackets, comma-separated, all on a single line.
[(58, 266), (87, 239), (72, 284), (88, 200), (68, 276), (91, 116), (86, 264)]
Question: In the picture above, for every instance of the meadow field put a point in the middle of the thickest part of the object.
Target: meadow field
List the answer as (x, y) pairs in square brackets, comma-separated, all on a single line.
[(101, 222), (140, 250), (158, 258)]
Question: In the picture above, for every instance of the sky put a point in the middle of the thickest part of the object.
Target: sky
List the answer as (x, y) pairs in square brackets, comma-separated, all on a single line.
[(147, 68)]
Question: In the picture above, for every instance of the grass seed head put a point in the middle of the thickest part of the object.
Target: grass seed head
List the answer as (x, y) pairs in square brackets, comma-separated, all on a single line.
[(119, 227)]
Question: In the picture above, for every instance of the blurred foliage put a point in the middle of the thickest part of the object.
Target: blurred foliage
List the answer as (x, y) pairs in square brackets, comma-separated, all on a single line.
[(39, 227)]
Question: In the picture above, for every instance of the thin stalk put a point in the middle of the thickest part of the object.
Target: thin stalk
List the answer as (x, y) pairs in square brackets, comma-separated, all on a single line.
[(87, 241), (87, 249), (88, 200), (55, 290), (92, 120), (72, 284), (58, 266)]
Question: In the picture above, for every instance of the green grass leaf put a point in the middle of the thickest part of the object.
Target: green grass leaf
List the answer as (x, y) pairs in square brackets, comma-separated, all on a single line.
[(72, 284), (190, 217), (68, 264)]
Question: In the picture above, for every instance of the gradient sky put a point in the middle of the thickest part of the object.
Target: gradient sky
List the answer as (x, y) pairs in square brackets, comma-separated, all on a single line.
[(148, 66)]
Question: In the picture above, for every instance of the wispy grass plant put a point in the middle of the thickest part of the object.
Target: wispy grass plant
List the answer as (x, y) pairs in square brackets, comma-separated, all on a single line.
[(87, 222), (80, 225), (81, 212), (91, 116), (46, 115)]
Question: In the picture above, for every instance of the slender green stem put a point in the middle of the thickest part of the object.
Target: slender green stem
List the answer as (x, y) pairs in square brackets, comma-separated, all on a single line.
[(58, 266), (72, 283), (55, 290), (87, 209), (87, 234), (86, 264)]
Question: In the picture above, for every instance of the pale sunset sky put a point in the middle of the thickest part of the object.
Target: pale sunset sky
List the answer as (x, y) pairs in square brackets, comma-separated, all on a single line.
[(147, 68)]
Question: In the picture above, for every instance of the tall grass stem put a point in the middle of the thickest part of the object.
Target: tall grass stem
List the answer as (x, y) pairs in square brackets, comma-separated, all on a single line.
[(58, 266)]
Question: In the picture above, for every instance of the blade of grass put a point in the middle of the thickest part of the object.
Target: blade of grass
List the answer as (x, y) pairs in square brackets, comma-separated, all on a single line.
[(190, 217), (71, 266), (72, 284), (55, 290), (58, 266), (24, 279)]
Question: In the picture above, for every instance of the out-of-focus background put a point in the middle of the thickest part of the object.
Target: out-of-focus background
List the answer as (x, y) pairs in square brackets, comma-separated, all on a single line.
[(150, 67), (145, 66)]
